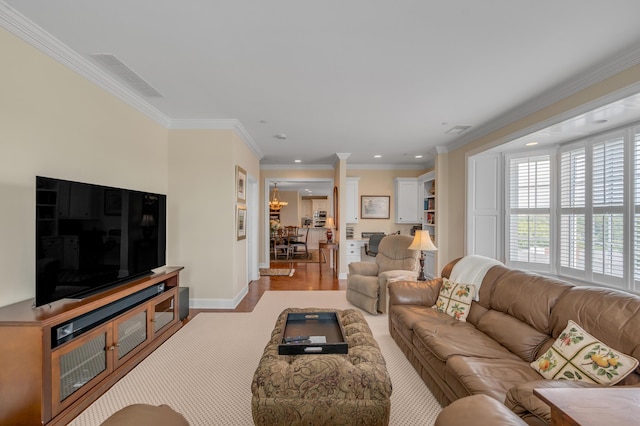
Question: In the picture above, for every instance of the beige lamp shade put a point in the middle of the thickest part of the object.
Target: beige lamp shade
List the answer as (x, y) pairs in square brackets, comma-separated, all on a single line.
[(329, 223), (422, 241)]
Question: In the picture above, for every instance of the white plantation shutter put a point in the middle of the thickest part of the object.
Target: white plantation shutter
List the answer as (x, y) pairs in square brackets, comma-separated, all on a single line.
[(608, 208), (529, 211), (573, 209)]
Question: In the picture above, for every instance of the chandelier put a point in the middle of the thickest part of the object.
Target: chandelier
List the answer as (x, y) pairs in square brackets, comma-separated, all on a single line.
[(275, 203)]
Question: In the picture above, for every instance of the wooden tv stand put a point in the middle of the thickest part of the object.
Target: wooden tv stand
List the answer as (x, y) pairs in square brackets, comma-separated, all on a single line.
[(50, 371)]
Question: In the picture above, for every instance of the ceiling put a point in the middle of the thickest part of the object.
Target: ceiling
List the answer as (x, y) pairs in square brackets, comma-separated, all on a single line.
[(360, 77)]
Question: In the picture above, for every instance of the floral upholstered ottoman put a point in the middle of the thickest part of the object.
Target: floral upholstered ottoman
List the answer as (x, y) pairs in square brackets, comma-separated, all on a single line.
[(323, 389)]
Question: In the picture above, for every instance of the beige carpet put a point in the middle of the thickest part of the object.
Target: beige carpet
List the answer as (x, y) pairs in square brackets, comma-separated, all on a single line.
[(266, 272), (205, 370)]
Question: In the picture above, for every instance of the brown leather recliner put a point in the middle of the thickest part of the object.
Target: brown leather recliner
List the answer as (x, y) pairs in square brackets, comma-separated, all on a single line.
[(367, 281)]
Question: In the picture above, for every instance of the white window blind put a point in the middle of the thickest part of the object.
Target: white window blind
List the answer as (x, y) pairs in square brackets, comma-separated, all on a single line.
[(573, 209), (608, 208), (529, 210)]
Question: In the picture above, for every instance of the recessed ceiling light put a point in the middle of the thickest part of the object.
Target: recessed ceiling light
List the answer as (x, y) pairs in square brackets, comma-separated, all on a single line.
[(377, 156), (297, 161), (418, 156), (280, 136), (531, 144)]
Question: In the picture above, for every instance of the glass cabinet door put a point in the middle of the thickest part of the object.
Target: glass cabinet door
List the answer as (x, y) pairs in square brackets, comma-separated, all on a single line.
[(164, 312), (77, 364), (130, 332)]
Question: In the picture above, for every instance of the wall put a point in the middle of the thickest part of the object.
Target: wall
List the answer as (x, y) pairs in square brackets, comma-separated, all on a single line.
[(55, 123), (201, 208), (290, 214), (451, 167), (380, 182)]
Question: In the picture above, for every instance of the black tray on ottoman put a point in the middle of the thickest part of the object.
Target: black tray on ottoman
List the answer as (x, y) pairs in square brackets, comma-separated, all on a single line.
[(313, 333)]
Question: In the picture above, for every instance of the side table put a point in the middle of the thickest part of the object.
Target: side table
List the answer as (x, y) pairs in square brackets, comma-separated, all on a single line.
[(592, 406), (333, 246)]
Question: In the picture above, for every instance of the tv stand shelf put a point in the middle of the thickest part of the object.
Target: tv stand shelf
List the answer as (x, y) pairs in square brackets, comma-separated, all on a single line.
[(50, 380)]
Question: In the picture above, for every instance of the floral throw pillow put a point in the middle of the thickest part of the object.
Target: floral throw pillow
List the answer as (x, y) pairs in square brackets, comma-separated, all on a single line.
[(455, 299), (577, 355)]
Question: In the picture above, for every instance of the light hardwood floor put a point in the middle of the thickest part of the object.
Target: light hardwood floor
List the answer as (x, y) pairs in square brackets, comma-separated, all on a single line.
[(306, 278)]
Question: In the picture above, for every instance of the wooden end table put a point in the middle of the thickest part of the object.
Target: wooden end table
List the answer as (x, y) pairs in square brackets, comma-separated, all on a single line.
[(592, 406), (334, 247)]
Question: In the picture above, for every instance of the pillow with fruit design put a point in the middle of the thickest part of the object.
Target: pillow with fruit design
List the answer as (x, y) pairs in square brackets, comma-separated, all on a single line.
[(577, 355), (455, 299)]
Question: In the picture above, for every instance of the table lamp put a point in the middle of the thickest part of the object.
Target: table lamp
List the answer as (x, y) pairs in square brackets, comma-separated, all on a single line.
[(422, 241), (329, 225)]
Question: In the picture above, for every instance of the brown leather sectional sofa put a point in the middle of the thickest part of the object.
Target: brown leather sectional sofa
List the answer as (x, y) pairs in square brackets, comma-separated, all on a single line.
[(518, 317)]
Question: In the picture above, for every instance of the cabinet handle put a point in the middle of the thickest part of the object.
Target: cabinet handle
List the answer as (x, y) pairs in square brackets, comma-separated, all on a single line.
[(112, 348)]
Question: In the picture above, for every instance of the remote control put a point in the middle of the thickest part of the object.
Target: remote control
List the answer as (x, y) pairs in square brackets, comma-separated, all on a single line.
[(296, 339)]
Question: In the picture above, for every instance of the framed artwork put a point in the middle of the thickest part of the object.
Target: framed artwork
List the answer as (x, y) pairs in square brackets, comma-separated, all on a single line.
[(374, 206), (112, 202), (241, 185), (241, 222)]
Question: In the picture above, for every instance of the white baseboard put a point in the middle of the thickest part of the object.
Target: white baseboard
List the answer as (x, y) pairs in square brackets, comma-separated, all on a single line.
[(218, 303)]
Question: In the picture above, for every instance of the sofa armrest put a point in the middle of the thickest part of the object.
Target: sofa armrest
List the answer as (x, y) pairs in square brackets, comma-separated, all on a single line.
[(369, 269), (478, 410), (521, 400), (424, 293)]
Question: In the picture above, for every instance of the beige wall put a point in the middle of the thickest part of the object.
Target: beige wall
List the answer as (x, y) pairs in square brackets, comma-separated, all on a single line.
[(202, 206), (380, 182), (451, 167), (55, 123)]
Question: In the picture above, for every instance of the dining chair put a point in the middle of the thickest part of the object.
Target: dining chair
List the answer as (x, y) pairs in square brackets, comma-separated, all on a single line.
[(281, 244), (299, 247)]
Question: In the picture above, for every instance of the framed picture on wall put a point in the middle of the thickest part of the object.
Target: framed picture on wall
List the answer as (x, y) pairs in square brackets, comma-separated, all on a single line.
[(241, 222), (375, 206), (241, 185)]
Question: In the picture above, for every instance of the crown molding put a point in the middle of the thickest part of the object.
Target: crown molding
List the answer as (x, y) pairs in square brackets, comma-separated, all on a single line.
[(614, 65), (296, 167), (29, 32), (386, 166)]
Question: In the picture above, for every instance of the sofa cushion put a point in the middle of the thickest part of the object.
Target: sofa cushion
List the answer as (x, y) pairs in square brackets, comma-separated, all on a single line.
[(455, 299), (517, 336), (577, 355), (492, 377), (445, 340)]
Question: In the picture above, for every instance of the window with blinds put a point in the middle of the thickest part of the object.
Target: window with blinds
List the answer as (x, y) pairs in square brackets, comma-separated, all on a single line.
[(529, 211), (608, 208), (592, 209), (572, 209), (596, 210)]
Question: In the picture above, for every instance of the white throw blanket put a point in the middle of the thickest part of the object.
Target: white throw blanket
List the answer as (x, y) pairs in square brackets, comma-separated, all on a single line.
[(471, 270)]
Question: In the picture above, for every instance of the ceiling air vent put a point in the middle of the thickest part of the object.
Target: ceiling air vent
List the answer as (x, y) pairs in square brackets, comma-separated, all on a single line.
[(456, 130), (125, 74)]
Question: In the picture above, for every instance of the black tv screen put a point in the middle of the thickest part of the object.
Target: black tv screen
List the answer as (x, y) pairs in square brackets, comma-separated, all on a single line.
[(91, 237)]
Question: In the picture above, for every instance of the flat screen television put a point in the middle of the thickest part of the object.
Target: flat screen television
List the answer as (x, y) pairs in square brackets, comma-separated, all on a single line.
[(90, 238)]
